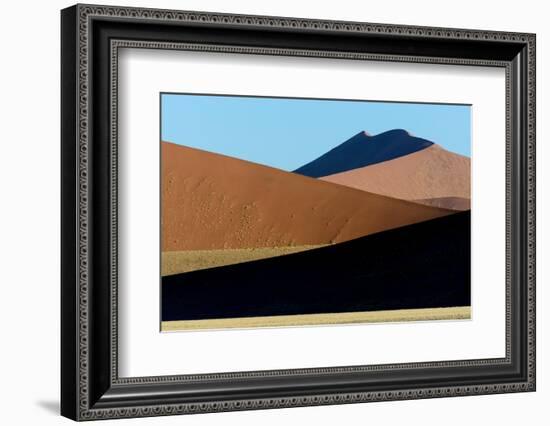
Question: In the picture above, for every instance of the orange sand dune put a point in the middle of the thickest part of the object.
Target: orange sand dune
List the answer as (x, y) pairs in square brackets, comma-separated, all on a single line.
[(210, 201), (432, 173)]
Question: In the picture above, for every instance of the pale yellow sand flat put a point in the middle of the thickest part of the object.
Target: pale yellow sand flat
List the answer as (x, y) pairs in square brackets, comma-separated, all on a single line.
[(177, 262), (400, 315)]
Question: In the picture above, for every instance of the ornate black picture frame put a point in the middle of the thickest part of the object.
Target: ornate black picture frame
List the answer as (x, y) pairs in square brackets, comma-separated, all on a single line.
[(91, 387)]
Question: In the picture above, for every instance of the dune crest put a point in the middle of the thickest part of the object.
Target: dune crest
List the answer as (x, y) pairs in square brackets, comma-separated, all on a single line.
[(363, 150), (211, 201), (454, 203)]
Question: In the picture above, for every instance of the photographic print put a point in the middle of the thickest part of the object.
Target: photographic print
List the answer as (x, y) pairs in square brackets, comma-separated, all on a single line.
[(294, 211)]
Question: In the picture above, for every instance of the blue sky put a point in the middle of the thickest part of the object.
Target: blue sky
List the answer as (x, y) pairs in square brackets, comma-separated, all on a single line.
[(287, 133)]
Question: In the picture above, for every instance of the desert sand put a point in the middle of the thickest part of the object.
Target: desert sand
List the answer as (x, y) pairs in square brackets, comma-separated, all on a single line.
[(211, 201), (431, 173), (397, 315), (177, 262)]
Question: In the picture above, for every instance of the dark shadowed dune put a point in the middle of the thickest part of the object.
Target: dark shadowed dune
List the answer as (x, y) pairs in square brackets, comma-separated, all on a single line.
[(363, 150), (425, 265), (453, 203)]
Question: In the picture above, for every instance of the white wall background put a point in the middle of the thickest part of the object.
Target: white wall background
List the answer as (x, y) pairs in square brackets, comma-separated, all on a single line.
[(29, 225)]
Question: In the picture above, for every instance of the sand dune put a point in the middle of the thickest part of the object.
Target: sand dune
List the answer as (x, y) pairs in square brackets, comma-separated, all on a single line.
[(363, 150), (211, 201), (425, 175), (453, 203)]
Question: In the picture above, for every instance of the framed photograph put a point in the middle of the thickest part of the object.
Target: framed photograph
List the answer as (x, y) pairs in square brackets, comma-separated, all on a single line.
[(263, 212)]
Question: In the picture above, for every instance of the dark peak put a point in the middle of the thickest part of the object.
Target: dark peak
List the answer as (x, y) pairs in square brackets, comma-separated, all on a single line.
[(395, 132), (355, 153), (361, 135)]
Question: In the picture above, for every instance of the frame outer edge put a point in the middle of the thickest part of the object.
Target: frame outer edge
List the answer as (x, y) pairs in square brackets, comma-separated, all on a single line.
[(69, 221)]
